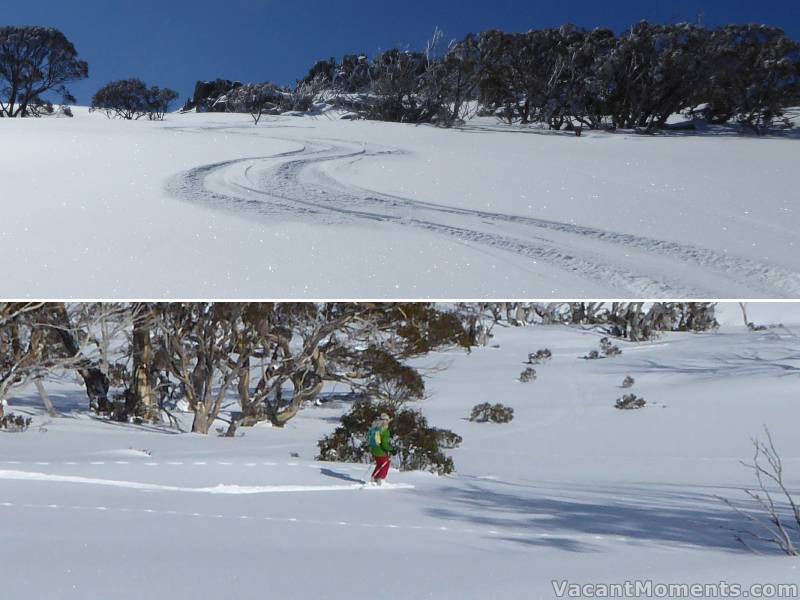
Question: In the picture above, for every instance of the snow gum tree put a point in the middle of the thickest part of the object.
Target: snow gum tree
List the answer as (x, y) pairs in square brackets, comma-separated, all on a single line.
[(197, 342), (570, 78), (754, 74), (281, 354), (131, 99), (33, 62), (300, 346), (256, 99), (38, 339)]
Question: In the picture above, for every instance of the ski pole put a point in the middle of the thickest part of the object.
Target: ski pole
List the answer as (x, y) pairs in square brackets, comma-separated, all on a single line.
[(366, 474)]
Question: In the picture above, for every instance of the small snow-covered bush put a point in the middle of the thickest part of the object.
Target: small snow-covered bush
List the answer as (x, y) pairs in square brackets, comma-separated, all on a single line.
[(15, 423), (527, 375), (628, 381), (488, 413), (608, 348), (448, 439), (539, 357), (630, 402), (417, 446)]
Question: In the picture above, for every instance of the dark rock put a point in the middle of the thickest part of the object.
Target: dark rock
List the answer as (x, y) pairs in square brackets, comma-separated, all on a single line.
[(207, 94)]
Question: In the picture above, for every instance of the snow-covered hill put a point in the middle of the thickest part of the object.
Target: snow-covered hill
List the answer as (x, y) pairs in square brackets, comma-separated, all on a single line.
[(571, 489), (209, 205)]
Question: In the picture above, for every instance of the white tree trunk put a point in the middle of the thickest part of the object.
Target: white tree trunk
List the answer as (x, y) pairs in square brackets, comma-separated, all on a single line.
[(48, 404)]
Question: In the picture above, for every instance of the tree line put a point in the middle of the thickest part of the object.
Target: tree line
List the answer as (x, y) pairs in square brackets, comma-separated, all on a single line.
[(137, 360), (572, 78), (564, 78)]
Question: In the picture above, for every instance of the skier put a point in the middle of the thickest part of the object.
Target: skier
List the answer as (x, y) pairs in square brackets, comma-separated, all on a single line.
[(380, 443)]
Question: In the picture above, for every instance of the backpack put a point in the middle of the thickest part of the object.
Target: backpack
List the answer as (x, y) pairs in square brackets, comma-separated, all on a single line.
[(374, 437)]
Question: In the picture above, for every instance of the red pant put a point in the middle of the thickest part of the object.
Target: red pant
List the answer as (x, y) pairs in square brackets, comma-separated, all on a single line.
[(382, 464)]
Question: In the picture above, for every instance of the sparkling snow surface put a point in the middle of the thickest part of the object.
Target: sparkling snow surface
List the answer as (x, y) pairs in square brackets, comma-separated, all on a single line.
[(210, 205)]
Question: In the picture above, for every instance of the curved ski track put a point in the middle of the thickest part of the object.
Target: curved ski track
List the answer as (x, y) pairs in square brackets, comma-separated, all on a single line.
[(293, 185)]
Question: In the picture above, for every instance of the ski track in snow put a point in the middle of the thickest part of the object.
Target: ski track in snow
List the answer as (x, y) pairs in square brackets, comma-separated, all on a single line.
[(293, 185), (500, 534), (217, 489), (13, 475), (188, 463)]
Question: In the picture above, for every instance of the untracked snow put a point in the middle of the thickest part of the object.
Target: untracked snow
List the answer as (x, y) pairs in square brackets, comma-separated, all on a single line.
[(572, 489), (211, 205)]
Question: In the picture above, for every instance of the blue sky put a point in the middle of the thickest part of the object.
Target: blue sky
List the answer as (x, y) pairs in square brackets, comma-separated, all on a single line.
[(176, 42)]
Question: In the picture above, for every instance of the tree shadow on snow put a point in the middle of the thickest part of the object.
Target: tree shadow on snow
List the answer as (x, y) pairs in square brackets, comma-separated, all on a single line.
[(732, 365), (63, 403), (639, 515)]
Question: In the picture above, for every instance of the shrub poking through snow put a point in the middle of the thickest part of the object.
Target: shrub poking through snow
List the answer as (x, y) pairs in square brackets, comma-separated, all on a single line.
[(539, 357), (608, 348), (527, 375), (417, 445), (630, 402), (628, 381), (448, 439), (15, 423), (775, 510), (488, 413)]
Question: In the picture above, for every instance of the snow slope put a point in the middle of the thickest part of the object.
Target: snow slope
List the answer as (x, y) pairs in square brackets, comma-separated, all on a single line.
[(571, 489), (210, 205)]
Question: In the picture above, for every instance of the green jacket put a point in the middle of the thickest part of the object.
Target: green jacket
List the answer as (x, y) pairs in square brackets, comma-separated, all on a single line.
[(380, 441)]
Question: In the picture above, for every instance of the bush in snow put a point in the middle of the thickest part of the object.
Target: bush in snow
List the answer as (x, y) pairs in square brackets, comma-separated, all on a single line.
[(488, 413), (527, 375), (16, 423), (608, 348), (628, 381), (540, 356), (448, 439), (417, 445), (256, 99), (630, 402), (131, 99)]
